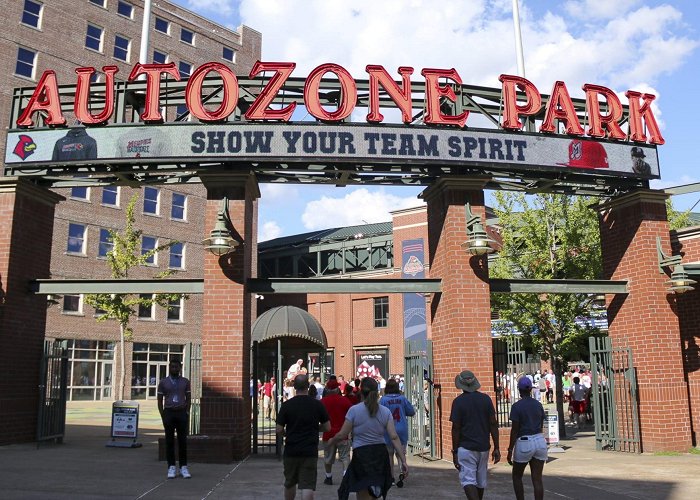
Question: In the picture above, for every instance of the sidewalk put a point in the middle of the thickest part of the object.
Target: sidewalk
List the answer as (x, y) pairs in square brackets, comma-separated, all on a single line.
[(83, 468)]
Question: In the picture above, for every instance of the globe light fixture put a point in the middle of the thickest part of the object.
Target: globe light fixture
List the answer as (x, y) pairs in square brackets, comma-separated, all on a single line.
[(220, 241), (680, 282), (478, 243)]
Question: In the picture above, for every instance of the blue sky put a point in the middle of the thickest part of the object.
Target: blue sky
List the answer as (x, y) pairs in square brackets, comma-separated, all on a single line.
[(643, 45)]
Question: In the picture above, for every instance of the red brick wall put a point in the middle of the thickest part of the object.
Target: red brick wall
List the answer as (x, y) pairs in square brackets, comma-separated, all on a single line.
[(226, 321), (25, 253), (461, 324), (646, 319)]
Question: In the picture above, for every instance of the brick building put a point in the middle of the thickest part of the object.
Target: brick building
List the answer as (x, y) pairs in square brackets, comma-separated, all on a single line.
[(38, 35)]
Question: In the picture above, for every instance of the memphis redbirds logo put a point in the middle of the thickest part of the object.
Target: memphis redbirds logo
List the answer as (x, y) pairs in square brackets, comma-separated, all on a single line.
[(413, 266), (25, 147), (576, 152)]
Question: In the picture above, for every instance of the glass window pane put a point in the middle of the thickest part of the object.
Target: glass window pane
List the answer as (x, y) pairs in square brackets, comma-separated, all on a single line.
[(150, 200), (25, 62), (149, 243), (159, 347), (80, 193), (229, 54), (110, 195), (146, 311), (162, 25), (177, 210), (159, 57), (125, 9), (185, 69), (176, 256), (76, 238), (101, 3), (71, 303), (106, 243), (187, 36), (175, 310), (121, 48), (32, 13), (93, 38)]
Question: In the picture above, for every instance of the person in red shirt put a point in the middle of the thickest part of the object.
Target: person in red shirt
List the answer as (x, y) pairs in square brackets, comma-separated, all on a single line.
[(337, 407), (351, 395)]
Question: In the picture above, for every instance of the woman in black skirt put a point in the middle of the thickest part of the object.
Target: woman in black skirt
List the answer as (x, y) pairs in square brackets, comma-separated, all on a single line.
[(369, 474)]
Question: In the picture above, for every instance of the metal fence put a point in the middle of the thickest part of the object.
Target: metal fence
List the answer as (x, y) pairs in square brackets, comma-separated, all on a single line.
[(265, 440), (419, 390), (51, 420), (510, 362), (193, 371), (614, 396)]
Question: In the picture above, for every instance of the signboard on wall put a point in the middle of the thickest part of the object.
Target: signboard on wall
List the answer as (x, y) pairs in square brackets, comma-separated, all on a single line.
[(414, 322), (372, 363)]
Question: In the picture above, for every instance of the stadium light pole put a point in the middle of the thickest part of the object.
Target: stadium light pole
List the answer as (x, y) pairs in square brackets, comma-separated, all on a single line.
[(518, 39), (145, 32)]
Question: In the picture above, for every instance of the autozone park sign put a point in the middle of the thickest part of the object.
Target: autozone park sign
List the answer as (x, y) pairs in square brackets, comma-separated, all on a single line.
[(444, 136)]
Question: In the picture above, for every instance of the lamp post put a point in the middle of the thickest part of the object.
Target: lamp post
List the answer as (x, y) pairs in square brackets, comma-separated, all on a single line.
[(478, 243), (220, 241)]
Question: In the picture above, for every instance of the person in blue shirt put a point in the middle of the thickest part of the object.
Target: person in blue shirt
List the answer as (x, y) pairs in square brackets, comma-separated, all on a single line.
[(527, 444), (400, 408)]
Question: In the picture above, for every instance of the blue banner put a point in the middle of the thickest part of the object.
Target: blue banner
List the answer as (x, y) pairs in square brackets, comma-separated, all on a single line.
[(414, 322)]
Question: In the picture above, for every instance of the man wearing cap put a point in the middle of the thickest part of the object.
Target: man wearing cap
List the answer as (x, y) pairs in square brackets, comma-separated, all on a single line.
[(639, 166), (337, 407), (527, 444), (473, 418)]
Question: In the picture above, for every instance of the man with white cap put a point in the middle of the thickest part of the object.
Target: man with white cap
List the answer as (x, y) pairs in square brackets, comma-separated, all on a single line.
[(473, 418)]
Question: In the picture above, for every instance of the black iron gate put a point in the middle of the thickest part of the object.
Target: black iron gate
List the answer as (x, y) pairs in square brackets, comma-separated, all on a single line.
[(614, 396), (265, 440), (419, 390), (51, 420), (193, 371)]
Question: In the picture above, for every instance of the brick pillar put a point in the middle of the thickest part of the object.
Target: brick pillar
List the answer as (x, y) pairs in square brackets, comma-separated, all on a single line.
[(26, 229), (645, 319), (461, 314), (226, 319)]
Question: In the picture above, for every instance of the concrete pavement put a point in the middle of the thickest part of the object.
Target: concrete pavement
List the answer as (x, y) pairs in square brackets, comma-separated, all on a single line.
[(83, 468)]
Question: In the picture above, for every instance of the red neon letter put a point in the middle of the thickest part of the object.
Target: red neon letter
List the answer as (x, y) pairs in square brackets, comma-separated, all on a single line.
[(638, 112), (193, 93), (151, 110), (346, 100), (434, 91), (597, 120), (82, 96), (400, 95), (511, 109), (561, 107), (44, 98), (260, 109)]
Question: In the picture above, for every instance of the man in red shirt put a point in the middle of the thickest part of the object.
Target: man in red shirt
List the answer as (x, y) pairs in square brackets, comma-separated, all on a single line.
[(337, 407), (268, 398)]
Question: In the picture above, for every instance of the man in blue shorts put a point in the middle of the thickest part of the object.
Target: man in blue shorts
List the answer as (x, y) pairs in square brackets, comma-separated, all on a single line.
[(527, 444), (473, 419)]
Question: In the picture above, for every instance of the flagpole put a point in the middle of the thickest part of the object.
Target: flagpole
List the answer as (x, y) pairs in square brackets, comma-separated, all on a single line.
[(518, 39), (145, 32)]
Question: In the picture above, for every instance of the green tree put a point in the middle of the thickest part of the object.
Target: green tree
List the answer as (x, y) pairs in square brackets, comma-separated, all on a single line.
[(122, 259), (547, 236), (676, 219)]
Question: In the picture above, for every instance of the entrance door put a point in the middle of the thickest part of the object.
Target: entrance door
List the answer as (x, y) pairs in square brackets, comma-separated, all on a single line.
[(105, 391), (156, 372)]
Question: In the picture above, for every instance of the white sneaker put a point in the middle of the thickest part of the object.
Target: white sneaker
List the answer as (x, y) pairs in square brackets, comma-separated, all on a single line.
[(185, 472), (172, 472)]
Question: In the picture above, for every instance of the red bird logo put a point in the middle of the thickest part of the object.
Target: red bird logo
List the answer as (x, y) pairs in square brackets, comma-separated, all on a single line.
[(25, 147)]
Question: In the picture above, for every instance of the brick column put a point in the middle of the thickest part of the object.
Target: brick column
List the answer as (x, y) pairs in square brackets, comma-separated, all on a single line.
[(461, 314), (645, 319), (226, 320), (26, 229)]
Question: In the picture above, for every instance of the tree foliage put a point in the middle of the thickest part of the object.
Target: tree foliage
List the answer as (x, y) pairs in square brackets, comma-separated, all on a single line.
[(122, 259), (676, 219)]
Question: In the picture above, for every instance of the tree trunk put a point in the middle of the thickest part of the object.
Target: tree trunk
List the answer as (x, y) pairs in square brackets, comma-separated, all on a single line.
[(559, 394), (120, 389)]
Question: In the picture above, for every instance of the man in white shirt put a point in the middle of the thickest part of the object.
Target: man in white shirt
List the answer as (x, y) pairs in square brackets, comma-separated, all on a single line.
[(294, 369)]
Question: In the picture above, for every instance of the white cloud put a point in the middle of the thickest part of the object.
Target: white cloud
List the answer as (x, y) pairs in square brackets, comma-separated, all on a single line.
[(269, 231), (595, 9), (357, 207), (274, 192)]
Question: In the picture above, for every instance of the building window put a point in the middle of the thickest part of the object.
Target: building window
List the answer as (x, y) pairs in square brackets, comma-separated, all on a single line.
[(31, 15), (151, 198), (177, 256), (26, 62), (178, 211), (162, 25), (146, 311), (122, 46), (80, 193), (76, 238), (185, 69), (110, 196), (381, 312), (148, 244), (229, 54), (125, 9), (90, 369), (106, 243), (101, 3), (150, 365), (182, 113), (159, 57), (175, 310), (93, 38), (186, 36), (73, 304)]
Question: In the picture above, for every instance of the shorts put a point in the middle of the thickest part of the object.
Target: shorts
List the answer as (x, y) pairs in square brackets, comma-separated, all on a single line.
[(343, 448), (300, 472), (473, 467), (578, 406), (529, 447)]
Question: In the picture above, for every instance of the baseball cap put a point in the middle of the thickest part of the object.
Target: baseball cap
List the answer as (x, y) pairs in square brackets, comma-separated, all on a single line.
[(586, 154), (524, 384), (332, 384), (637, 151)]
